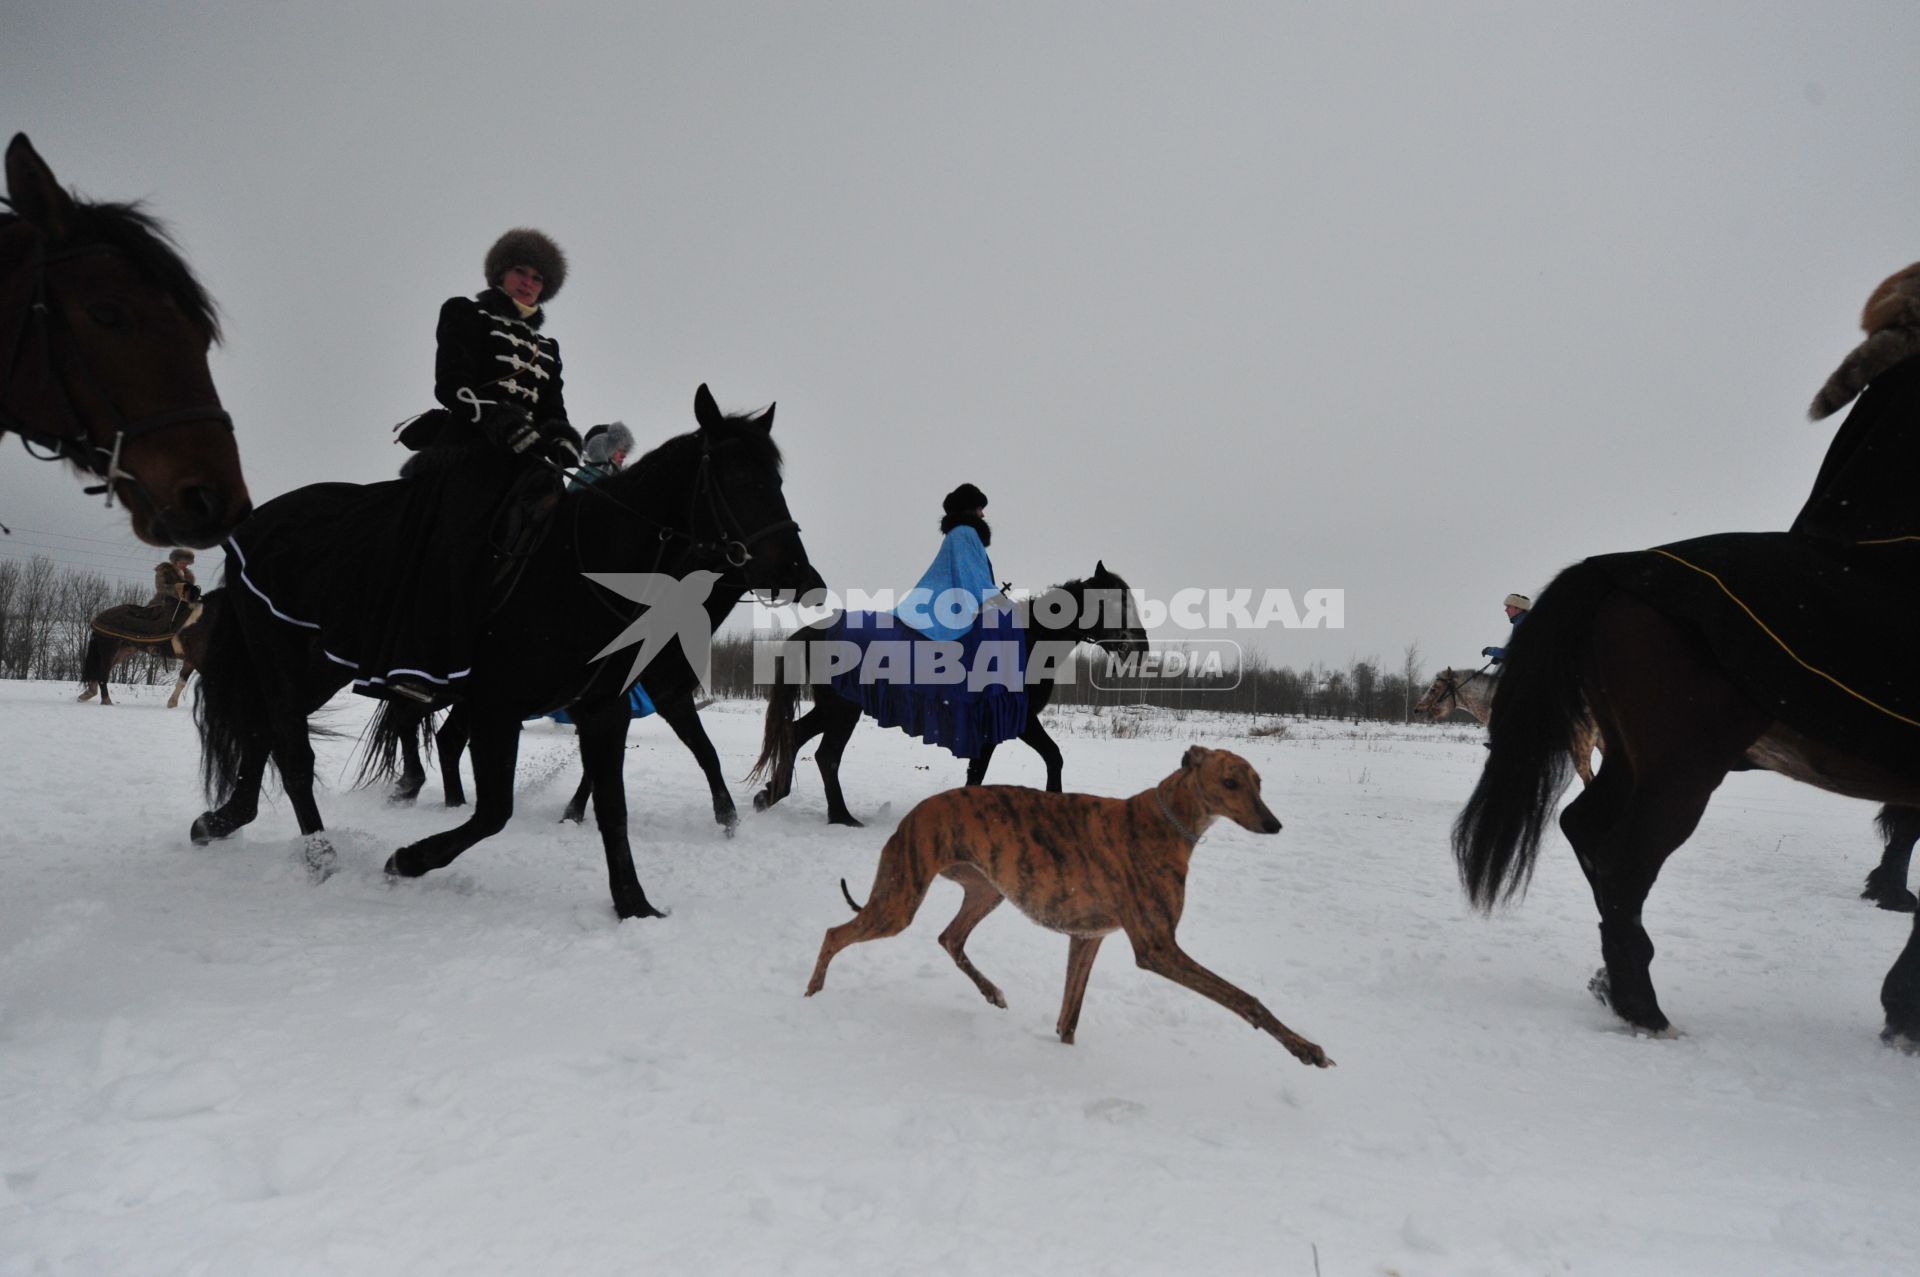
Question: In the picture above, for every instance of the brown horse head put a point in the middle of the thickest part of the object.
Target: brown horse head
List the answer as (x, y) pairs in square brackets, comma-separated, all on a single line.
[(104, 333)]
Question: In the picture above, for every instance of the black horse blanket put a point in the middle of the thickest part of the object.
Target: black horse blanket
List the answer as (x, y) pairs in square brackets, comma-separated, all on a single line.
[(1823, 633)]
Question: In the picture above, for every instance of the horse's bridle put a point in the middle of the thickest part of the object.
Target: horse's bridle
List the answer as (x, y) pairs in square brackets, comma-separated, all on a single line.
[(77, 444), (1453, 684)]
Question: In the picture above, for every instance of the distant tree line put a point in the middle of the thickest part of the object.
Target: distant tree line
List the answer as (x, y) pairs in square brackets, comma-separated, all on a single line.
[(46, 614), (1365, 689), (46, 610)]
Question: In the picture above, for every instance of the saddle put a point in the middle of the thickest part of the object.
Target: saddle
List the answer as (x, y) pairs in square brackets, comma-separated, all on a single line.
[(146, 625)]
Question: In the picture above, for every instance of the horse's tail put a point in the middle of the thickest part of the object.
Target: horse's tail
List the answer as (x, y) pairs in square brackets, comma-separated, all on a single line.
[(97, 663), (776, 744), (231, 711), (391, 726), (1539, 712)]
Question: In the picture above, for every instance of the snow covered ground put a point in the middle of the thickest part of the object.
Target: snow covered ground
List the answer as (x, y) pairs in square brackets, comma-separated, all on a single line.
[(209, 1066)]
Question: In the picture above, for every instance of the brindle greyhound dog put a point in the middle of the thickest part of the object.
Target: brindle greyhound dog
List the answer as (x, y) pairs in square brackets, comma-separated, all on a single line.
[(1076, 864)]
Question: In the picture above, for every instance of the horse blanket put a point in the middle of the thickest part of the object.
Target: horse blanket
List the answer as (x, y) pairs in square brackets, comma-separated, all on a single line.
[(1821, 632), (638, 703), (155, 622), (962, 694)]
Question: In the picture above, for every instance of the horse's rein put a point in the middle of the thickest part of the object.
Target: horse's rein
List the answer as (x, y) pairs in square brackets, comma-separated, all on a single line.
[(77, 445)]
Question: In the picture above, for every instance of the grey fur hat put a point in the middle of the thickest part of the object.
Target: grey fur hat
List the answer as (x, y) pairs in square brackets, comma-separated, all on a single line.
[(1891, 321), (603, 442), (524, 246)]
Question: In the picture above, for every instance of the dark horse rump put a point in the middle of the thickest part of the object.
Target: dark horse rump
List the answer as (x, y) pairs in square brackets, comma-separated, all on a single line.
[(1681, 699), (412, 555), (1817, 632)]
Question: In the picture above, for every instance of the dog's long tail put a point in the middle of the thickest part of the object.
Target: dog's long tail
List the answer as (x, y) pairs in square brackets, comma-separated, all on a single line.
[(849, 896)]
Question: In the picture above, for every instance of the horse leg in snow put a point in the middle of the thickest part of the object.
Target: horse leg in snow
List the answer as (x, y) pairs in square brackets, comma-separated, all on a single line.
[(496, 746), (1887, 883), (1900, 996), (602, 728), (1042, 744), (242, 805), (1684, 727), (186, 672), (413, 774), (577, 805), (978, 764), (681, 715), (451, 741), (833, 743)]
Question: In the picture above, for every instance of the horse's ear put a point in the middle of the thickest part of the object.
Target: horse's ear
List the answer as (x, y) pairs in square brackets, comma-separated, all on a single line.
[(34, 191), (705, 410), (765, 419), (1100, 568), (1192, 757)]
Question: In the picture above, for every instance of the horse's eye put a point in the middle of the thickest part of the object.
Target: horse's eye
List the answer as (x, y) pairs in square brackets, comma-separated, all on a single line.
[(1231, 783), (110, 316)]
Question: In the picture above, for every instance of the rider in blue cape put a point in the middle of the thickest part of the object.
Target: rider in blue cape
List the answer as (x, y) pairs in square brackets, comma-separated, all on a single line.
[(958, 677)]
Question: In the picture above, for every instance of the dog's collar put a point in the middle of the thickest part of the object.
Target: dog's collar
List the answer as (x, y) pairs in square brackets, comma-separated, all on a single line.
[(1191, 837)]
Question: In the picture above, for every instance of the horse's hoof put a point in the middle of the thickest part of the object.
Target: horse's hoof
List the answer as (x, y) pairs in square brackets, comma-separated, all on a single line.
[(1889, 895), (402, 799), (847, 819), (643, 910), (762, 800), (320, 858), (1904, 1041), (396, 868), (208, 828)]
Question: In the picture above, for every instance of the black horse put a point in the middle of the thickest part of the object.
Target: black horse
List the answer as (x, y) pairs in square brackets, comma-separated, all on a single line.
[(674, 703), (1887, 881), (709, 500), (833, 717)]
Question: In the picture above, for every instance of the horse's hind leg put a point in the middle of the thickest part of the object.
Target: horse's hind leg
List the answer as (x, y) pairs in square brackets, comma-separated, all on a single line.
[(577, 805), (496, 745), (1887, 883), (833, 743), (1671, 728), (1900, 997)]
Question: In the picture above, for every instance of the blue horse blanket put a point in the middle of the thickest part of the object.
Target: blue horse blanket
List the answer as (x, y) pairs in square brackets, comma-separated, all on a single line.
[(637, 700)]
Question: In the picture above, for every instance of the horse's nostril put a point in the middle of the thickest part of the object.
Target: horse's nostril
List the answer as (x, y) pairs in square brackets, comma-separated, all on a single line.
[(201, 502)]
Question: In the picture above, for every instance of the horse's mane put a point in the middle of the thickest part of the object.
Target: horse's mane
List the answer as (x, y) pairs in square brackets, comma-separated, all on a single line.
[(144, 240)]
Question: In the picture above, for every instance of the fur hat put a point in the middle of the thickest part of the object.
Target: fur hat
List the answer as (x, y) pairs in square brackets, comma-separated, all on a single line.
[(964, 499), (604, 442), (180, 556), (1520, 601), (1891, 320), (523, 246)]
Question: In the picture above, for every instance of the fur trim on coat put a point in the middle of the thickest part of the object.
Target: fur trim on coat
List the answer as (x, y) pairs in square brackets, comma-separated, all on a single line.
[(1891, 320), (524, 246)]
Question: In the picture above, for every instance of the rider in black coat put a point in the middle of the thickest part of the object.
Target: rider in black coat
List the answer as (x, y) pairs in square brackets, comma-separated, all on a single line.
[(503, 431)]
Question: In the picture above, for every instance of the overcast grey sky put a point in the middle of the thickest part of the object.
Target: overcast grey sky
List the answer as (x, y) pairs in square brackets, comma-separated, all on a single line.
[(1423, 301)]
